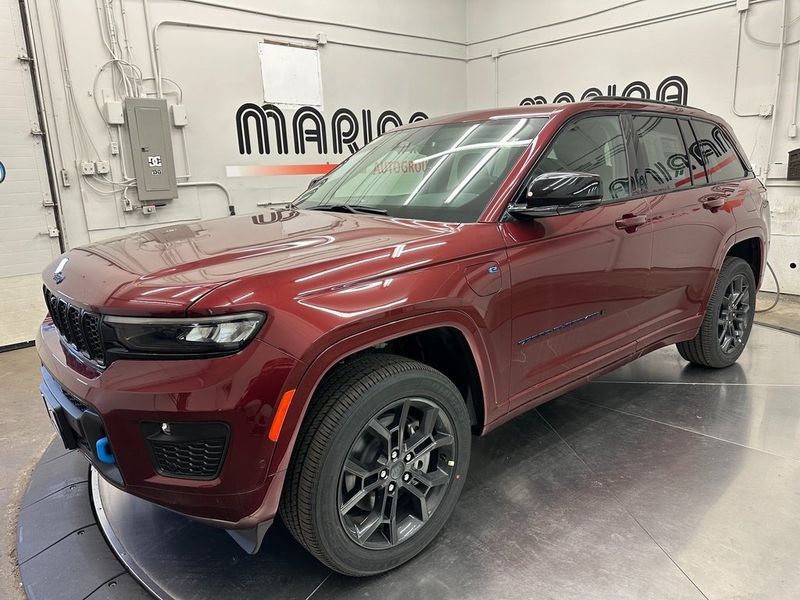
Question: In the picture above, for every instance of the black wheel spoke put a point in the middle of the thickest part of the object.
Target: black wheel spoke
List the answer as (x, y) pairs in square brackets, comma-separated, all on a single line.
[(354, 468), (401, 423), (375, 519), (429, 444), (434, 479), (422, 501), (377, 427), (424, 431), (394, 534), (734, 313), (358, 497)]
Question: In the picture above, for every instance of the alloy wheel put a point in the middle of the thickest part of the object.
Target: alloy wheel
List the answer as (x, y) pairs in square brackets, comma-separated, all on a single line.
[(396, 473), (734, 314)]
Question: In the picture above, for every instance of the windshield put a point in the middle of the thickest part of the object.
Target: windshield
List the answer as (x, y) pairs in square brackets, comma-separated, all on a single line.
[(435, 172)]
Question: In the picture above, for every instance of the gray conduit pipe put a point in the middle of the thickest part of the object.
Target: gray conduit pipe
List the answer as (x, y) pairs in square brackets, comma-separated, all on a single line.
[(217, 184), (261, 13)]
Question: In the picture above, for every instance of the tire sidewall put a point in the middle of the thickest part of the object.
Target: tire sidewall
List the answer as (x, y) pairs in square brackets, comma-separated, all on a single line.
[(334, 541)]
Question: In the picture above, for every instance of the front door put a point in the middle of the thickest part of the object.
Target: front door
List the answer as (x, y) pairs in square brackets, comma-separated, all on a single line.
[(578, 280)]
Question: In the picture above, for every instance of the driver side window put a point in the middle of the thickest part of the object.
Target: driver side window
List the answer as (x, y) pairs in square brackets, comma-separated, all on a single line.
[(591, 145)]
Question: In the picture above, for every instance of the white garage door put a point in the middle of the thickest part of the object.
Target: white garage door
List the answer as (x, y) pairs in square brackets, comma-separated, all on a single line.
[(25, 219)]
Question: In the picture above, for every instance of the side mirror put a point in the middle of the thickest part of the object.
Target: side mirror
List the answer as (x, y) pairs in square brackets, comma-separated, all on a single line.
[(560, 193)]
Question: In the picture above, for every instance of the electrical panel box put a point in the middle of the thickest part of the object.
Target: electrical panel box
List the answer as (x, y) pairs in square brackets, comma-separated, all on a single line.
[(151, 148), (793, 172)]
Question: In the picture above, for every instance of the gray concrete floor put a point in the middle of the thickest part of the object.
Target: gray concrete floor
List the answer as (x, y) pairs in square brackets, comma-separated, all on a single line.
[(25, 432), (786, 313)]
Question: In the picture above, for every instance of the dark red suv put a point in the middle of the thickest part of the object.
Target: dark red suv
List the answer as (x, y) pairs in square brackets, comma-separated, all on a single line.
[(329, 360)]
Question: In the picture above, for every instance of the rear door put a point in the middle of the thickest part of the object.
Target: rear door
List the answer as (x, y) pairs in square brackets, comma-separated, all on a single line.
[(689, 169), (578, 280)]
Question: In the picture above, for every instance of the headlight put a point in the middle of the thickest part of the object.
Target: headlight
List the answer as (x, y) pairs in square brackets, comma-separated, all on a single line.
[(184, 337)]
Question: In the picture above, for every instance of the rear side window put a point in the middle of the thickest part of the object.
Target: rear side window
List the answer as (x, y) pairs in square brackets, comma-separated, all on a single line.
[(714, 148), (591, 145), (662, 159)]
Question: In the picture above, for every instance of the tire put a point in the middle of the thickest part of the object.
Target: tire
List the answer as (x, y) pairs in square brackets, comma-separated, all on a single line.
[(355, 406), (711, 347)]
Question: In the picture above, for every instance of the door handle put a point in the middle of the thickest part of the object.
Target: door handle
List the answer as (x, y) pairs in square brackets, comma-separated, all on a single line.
[(630, 222), (714, 203)]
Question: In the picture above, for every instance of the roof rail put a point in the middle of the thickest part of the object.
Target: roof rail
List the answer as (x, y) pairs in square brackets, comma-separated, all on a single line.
[(635, 99)]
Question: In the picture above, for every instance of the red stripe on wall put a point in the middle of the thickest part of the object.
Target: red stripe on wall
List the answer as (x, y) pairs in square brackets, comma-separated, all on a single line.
[(272, 170)]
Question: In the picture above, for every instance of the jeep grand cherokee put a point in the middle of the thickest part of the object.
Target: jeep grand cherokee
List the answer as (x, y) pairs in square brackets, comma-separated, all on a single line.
[(330, 359)]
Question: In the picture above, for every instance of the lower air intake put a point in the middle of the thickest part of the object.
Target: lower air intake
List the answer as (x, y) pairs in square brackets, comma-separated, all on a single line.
[(187, 450)]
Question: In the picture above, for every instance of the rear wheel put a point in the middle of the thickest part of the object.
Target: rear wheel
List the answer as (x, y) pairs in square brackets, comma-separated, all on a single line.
[(379, 464), (728, 319)]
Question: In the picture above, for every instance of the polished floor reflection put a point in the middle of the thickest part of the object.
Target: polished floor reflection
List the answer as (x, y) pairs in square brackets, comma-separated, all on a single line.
[(659, 481)]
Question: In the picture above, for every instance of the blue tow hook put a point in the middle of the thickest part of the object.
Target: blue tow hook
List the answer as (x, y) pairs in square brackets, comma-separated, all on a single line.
[(103, 449)]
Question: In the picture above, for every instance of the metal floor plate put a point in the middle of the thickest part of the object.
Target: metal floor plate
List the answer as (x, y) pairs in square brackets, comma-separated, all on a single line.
[(661, 480)]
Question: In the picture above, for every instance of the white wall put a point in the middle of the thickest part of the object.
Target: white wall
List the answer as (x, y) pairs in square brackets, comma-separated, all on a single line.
[(218, 70), (649, 40)]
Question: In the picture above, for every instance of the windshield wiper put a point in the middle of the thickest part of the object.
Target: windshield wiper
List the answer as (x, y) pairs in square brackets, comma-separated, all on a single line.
[(349, 208)]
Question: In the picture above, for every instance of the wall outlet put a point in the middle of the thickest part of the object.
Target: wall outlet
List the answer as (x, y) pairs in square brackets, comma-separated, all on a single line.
[(65, 179), (101, 167), (148, 209), (114, 148), (87, 168)]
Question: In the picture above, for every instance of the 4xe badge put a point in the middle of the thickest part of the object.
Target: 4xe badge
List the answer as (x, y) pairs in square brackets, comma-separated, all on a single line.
[(58, 274)]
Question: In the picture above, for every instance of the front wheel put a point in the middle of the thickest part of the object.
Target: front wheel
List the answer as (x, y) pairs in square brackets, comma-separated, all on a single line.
[(728, 319), (379, 464)]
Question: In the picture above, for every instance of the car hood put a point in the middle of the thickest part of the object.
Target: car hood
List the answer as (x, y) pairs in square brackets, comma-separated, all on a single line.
[(165, 270)]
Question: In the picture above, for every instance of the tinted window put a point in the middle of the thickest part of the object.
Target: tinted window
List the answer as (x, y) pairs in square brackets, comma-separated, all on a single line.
[(663, 163), (715, 149), (591, 145), (698, 171)]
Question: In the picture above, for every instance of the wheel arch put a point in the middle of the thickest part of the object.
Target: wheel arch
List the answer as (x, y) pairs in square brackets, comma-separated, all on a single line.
[(447, 330), (750, 248)]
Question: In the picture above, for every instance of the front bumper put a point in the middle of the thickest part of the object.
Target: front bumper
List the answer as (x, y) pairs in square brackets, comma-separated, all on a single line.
[(123, 401)]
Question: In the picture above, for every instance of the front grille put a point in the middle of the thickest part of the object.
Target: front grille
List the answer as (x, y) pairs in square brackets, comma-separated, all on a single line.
[(78, 327), (201, 458)]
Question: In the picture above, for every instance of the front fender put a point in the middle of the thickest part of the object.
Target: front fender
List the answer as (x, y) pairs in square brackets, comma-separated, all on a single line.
[(493, 395)]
